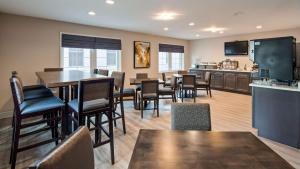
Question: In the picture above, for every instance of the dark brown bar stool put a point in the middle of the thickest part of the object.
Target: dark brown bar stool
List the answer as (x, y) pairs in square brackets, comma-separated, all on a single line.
[(149, 92), (95, 99), (188, 84), (26, 109), (205, 85), (119, 78), (169, 90)]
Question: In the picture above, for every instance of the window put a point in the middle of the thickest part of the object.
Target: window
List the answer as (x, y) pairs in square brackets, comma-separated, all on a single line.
[(169, 61), (108, 59), (87, 53)]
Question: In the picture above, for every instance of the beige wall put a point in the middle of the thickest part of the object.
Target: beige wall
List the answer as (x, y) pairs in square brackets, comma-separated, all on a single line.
[(28, 45), (213, 49)]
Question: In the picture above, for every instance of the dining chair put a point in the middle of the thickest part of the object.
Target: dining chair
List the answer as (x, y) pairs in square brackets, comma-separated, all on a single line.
[(182, 72), (166, 81), (33, 108), (58, 69), (76, 152), (95, 99), (188, 84), (200, 85), (149, 92), (103, 72), (190, 116), (169, 90), (119, 78)]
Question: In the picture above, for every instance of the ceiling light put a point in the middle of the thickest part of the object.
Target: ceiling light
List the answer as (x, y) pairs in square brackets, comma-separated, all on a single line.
[(191, 24), (214, 29), (92, 13), (110, 2), (166, 29), (197, 35), (258, 27), (165, 16), (221, 32)]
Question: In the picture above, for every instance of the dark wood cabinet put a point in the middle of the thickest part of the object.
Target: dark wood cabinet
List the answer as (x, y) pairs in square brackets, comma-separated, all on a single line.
[(229, 81), (234, 81), (242, 82), (217, 80)]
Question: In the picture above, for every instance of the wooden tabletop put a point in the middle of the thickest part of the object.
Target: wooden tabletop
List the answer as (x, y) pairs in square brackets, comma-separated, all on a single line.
[(165, 149), (134, 81), (65, 78)]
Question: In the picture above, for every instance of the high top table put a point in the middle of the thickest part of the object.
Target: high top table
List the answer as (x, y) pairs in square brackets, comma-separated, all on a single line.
[(165, 149)]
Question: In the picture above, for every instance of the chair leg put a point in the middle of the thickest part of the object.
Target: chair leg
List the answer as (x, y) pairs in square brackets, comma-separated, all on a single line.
[(142, 108), (97, 128), (194, 95), (15, 143), (12, 141), (209, 91), (157, 107), (123, 116), (114, 116), (56, 127), (111, 138), (181, 92), (88, 122)]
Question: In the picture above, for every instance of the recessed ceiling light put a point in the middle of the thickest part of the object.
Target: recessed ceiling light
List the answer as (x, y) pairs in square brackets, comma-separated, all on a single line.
[(110, 2), (197, 35), (214, 29), (166, 28), (258, 27), (165, 16), (191, 24), (92, 13), (221, 32)]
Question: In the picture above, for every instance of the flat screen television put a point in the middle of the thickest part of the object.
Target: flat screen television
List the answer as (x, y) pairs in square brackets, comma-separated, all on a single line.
[(236, 48)]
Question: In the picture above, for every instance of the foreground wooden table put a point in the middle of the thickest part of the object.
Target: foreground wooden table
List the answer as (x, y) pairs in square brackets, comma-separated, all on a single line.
[(163, 149)]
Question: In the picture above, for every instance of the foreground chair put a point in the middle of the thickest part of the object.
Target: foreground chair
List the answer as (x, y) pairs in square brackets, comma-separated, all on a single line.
[(26, 109), (76, 152), (190, 116), (188, 84), (149, 92), (95, 99), (200, 85)]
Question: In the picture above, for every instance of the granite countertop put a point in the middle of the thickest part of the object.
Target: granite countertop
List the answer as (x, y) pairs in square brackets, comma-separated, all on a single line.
[(278, 87), (225, 70)]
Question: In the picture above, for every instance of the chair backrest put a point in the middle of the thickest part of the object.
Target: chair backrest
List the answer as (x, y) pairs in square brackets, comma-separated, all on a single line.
[(15, 74), (141, 76), (182, 72), (103, 72), (164, 77), (189, 80), (207, 77), (94, 89), (58, 69), (149, 87), (174, 82), (17, 93), (190, 116), (119, 78), (76, 152)]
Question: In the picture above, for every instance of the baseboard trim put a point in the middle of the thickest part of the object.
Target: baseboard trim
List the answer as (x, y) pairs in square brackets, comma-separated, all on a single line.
[(7, 114)]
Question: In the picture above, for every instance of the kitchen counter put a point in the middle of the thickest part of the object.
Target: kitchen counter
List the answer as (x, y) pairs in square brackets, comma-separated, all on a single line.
[(278, 87), (225, 70)]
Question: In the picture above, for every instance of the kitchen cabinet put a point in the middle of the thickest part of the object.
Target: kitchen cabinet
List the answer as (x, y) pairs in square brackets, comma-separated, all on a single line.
[(229, 81), (242, 82), (217, 80)]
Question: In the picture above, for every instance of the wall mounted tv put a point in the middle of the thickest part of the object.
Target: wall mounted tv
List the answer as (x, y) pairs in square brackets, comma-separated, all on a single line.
[(236, 48)]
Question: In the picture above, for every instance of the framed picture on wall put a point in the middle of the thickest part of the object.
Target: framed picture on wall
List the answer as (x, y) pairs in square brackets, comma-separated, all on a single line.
[(141, 54)]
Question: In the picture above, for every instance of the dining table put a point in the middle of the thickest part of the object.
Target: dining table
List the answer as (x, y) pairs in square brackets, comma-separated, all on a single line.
[(63, 80), (174, 149)]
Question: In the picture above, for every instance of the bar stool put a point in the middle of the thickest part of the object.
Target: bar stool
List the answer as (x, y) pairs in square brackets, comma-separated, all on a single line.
[(188, 84), (95, 99), (25, 109), (149, 92)]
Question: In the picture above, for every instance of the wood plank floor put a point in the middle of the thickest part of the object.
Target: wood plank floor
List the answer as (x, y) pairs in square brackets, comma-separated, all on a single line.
[(230, 112)]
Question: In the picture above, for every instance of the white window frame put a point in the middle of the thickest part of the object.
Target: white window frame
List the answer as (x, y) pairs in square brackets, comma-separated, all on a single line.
[(170, 61)]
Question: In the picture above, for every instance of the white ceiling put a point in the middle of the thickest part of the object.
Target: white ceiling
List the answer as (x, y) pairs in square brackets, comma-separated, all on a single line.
[(137, 15)]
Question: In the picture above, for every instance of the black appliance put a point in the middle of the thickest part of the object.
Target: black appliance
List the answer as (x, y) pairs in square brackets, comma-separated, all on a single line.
[(236, 48), (277, 55)]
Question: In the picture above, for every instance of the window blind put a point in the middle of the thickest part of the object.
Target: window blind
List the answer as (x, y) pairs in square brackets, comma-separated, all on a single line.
[(171, 48), (78, 41)]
